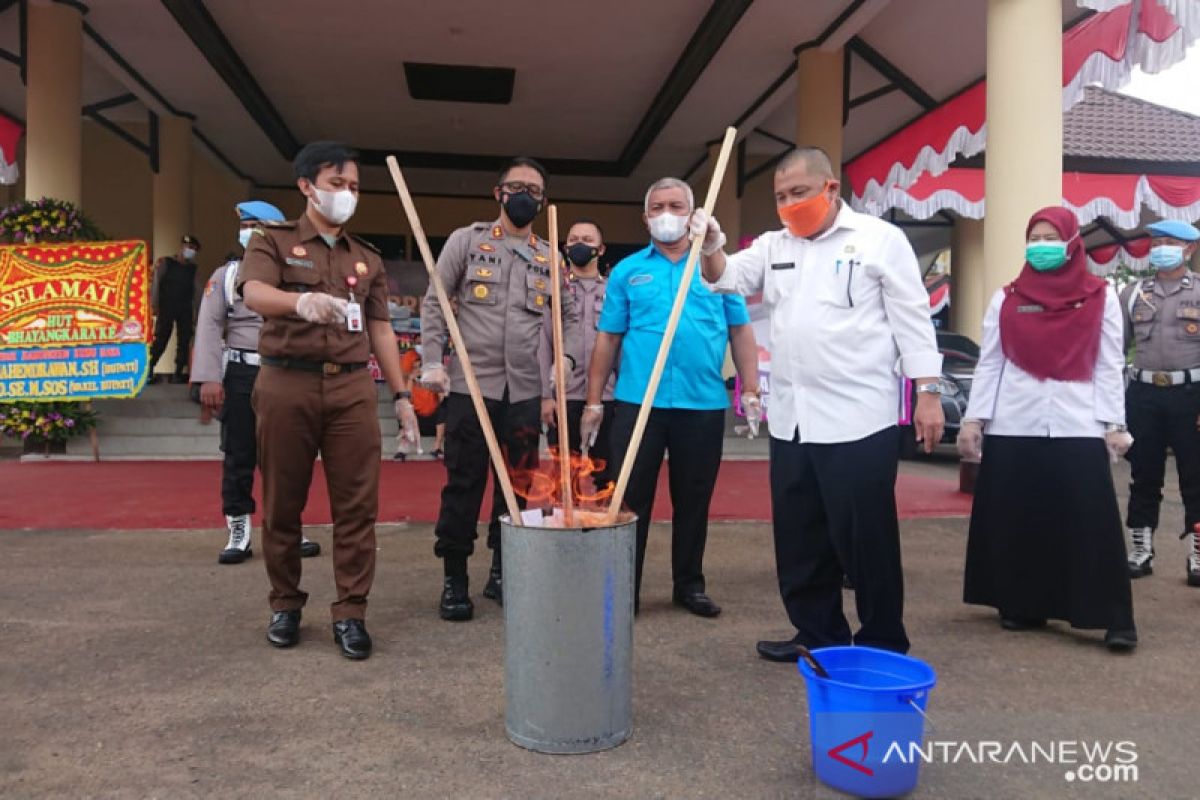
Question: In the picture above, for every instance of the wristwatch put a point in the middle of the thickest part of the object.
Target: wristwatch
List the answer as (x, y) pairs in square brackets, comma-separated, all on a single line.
[(929, 388), (405, 395), (1113, 427)]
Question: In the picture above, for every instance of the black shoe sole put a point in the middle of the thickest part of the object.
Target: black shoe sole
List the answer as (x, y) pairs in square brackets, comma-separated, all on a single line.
[(353, 655), (1193, 579), (790, 658), (1141, 572), (456, 615), (310, 552), (234, 556), (282, 643)]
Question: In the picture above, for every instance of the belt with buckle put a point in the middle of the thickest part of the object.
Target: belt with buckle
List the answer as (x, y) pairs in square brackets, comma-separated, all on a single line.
[(1167, 377), (247, 357), (304, 365)]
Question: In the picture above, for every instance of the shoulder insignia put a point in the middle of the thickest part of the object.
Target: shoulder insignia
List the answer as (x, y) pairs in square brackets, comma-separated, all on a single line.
[(208, 288), (497, 232), (365, 244), (286, 224)]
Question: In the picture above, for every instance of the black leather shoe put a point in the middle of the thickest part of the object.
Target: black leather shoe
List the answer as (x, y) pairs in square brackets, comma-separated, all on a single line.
[(1120, 641), (456, 605), (154, 378), (309, 549), (352, 637), (234, 555), (1021, 623), (284, 630), (494, 590), (784, 652), (698, 603)]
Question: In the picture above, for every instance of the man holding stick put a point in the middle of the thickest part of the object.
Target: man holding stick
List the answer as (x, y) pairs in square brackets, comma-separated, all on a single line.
[(846, 303), (323, 297), (688, 416), (500, 272)]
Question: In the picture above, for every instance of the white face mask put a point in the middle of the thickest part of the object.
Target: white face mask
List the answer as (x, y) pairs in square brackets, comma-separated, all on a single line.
[(188, 253), (668, 228), (244, 237), (337, 207)]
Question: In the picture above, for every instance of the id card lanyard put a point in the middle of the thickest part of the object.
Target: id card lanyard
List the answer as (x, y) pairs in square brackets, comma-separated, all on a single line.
[(354, 317)]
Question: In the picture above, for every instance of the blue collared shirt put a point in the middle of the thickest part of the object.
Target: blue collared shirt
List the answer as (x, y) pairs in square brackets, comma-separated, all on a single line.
[(637, 305)]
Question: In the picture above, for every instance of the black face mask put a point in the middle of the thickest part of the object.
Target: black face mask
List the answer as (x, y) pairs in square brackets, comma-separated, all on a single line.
[(581, 253), (521, 208)]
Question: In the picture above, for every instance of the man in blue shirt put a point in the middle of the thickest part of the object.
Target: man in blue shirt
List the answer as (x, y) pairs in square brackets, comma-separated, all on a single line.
[(688, 417)]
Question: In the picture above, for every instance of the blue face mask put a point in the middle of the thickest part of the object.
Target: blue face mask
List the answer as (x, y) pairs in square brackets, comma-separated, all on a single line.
[(1046, 256), (1166, 256)]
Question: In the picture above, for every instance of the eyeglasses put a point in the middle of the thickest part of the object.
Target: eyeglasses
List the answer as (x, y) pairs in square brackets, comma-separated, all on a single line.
[(516, 187)]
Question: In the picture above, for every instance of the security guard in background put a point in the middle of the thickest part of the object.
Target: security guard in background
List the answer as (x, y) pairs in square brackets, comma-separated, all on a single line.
[(1162, 404), (173, 300), (225, 364), (585, 289), (323, 296), (500, 272)]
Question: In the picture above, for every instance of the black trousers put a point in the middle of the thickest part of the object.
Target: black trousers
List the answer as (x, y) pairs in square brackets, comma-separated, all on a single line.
[(238, 441), (834, 514), (181, 320), (518, 428), (601, 452), (1160, 417), (694, 439)]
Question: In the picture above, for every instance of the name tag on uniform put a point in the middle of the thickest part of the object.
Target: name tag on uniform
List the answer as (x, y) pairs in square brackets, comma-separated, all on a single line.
[(299, 262), (354, 317), (784, 265), (1030, 309)]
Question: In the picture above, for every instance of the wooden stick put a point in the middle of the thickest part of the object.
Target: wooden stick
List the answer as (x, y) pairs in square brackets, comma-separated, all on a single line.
[(485, 422), (664, 349), (560, 374)]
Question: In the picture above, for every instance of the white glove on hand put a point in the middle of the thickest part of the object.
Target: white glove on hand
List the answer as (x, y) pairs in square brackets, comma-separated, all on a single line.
[(589, 425), (321, 308), (434, 378), (701, 224), (407, 417), (1118, 443), (970, 440), (752, 408)]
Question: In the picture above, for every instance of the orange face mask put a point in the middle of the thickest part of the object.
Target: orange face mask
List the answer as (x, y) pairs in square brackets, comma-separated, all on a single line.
[(804, 217)]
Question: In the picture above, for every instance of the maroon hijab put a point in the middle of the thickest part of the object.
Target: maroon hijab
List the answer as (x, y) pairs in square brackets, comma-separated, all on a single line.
[(1050, 321)]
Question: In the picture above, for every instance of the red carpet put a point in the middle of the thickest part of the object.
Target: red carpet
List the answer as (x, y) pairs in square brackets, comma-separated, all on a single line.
[(186, 494)]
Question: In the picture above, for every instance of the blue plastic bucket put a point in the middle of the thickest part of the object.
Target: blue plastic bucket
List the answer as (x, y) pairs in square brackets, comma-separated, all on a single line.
[(864, 725)]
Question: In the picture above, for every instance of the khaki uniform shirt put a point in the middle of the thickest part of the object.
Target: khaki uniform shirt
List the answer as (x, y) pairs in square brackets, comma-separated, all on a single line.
[(503, 288), (223, 321), (587, 296), (1163, 319), (293, 257)]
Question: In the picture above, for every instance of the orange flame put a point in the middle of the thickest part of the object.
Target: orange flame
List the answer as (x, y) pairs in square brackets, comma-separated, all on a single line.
[(542, 487)]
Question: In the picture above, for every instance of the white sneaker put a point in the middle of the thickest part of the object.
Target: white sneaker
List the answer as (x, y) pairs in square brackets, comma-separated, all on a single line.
[(238, 548), (1141, 552), (1193, 562)]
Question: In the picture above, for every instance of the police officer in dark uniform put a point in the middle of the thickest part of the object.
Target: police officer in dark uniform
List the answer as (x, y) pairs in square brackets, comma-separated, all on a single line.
[(500, 274), (323, 297), (1162, 404), (172, 299), (225, 365)]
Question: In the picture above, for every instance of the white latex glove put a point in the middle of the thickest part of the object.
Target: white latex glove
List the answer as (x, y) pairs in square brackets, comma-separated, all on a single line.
[(589, 425), (321, 308), (434, 378), (701, 224), (1118, 443), (970, 440), (407, 417), (752, 408)]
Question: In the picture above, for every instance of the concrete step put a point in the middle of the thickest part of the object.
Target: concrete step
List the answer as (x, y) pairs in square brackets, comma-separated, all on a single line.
[(150, 447), (109, 426)]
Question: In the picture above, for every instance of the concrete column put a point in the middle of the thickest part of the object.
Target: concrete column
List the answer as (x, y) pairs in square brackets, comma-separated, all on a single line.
[(172, 199), (1024, 128), (54, 102), (819, 102), (967, 298), (728, 209)]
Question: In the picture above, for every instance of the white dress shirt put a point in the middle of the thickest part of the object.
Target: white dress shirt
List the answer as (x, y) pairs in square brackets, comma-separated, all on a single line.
[(1014, 403), (845, 310)]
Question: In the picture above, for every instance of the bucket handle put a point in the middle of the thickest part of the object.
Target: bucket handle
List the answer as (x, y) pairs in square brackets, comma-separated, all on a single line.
[(911, 700), (811, 660)]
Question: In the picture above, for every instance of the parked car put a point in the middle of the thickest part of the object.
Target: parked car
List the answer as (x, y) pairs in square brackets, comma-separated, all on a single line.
[(959, 357)]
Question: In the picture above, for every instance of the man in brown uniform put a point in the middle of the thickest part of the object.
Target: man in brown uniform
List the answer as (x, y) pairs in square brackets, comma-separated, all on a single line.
[(500, 273), (323, 297)]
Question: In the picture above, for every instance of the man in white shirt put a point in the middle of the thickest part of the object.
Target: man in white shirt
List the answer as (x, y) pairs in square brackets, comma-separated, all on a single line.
[(847, 306)]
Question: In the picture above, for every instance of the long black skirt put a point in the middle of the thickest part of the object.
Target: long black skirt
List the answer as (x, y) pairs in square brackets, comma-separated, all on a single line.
[(1046, 540)]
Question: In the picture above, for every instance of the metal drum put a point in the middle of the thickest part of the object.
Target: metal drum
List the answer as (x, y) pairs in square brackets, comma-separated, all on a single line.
[(568, 636)]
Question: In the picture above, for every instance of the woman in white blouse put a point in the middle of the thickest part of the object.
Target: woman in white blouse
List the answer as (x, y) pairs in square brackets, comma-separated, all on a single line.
[(1047, 412)]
